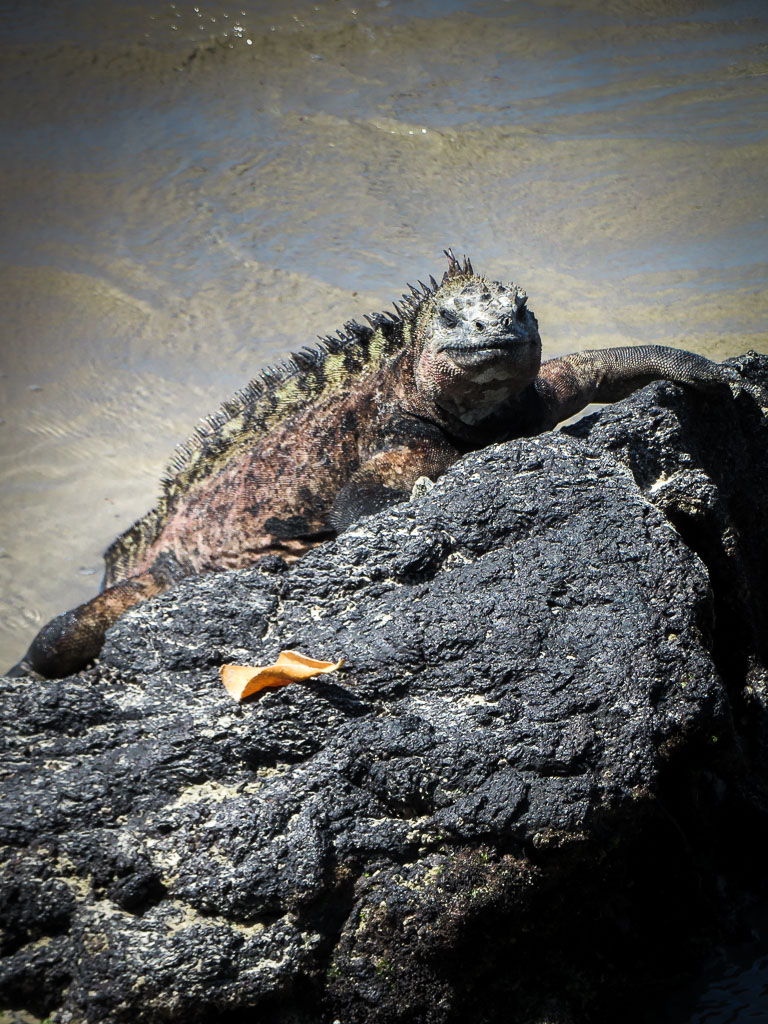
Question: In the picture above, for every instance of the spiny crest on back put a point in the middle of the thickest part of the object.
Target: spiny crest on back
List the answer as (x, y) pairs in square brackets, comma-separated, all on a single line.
[(277, 392), (303, 376)]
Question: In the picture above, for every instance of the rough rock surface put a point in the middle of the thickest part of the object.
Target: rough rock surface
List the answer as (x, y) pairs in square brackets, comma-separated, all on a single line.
[(509, 804)]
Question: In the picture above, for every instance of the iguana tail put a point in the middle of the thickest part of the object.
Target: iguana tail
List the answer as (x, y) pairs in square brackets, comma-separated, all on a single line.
[(71, 641)]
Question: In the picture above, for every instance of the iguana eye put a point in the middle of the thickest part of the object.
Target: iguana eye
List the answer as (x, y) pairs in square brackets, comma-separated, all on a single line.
[(448, 317)]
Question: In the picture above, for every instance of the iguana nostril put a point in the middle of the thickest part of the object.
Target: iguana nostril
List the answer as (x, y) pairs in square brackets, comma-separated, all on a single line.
[(479, 325)]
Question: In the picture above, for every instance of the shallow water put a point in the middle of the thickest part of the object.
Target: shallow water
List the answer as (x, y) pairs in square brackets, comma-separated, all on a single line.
[(191, 190)]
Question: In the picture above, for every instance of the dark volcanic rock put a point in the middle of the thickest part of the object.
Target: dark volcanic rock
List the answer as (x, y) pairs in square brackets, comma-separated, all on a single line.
[(503, 808), (705, 465)]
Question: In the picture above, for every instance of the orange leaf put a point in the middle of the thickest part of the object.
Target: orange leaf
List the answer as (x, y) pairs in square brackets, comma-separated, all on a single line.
[(243, 680)]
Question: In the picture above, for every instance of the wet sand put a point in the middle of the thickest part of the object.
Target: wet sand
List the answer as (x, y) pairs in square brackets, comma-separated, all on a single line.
[(191, 191)]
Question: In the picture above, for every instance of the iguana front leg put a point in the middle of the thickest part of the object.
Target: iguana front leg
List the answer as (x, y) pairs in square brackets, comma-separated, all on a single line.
[(568, 384), (387, 478)]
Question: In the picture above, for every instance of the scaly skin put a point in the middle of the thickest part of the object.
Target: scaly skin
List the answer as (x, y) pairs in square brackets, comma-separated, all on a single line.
[(346, 429)]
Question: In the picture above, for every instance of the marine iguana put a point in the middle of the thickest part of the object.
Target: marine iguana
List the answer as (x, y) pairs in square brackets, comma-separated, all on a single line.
[(347, 428)]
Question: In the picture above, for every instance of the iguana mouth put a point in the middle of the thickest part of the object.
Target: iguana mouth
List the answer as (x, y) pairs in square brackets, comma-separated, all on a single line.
[(486, 350), (482, 347)]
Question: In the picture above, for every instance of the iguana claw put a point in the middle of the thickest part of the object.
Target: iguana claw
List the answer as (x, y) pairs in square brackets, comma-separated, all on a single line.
[(421, 487)]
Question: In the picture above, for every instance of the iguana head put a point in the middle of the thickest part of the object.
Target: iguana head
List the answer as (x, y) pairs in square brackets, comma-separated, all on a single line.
[(476, 343)]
